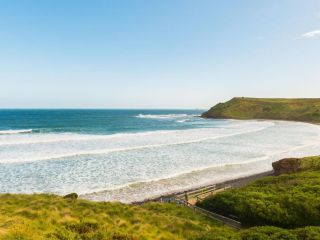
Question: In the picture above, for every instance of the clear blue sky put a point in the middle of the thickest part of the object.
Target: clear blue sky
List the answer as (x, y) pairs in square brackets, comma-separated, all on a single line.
[(156, 54)]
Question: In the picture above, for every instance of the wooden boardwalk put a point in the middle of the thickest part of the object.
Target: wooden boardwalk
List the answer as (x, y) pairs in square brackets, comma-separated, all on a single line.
[(191, 197)]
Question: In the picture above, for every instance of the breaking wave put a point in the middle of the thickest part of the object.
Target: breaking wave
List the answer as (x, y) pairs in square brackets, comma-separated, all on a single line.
[(15, 131), (130, 167), (57, 146), (163, 116)]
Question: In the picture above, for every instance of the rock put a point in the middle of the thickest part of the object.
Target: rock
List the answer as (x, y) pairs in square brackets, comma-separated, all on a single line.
[(72, 196), (286, 166)]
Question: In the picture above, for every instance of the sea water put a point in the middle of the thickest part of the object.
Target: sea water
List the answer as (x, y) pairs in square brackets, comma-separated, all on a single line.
[(132, 155)]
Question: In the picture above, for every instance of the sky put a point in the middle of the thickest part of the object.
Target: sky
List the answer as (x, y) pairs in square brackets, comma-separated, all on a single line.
[(156, 54)]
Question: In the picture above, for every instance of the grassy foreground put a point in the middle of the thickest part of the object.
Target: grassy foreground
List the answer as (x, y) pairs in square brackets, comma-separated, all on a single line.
[(37, 217), (53, 217), (305, 110)]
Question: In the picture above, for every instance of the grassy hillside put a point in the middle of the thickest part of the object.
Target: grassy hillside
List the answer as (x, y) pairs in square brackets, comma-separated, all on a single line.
[(35, 217), (289, 200), (53, 217), (306, 110)]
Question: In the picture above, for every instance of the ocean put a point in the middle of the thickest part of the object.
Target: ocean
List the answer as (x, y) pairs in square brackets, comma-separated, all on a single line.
[(132, 155)]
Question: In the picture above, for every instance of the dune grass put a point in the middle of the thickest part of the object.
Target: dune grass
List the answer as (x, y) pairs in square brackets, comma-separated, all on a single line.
[(305, 110), (53, 217), (35, 217)]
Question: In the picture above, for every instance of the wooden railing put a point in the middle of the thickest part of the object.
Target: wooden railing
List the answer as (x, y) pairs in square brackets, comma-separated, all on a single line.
[(201, 193), (217, 217), (189, 198)]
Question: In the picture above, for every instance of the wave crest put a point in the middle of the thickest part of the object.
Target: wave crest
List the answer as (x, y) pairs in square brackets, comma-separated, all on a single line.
[(163, 116), (15, 131), (117, 143)]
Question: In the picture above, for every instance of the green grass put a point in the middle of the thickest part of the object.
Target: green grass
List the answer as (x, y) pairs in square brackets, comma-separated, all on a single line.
[(310, 163), (24, 217), (287, 201), (53, 217), (305, 110), (274, 233)]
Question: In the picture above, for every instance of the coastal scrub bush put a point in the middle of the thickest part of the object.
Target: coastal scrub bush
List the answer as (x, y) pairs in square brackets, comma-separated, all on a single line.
[(307, 233), (275, 233), (287, 201), (267, 233)]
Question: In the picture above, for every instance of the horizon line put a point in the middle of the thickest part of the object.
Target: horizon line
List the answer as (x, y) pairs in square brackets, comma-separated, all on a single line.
[(31, 108)]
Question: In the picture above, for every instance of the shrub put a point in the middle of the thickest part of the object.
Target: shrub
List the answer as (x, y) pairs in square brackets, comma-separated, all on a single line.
[(287, 201)]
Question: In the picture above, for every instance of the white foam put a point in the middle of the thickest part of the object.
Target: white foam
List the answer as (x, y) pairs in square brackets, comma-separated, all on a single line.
[(42, 150), (163, 116), (141, 190), (15, 131), (182, 121), (134, 166), (66, 137)]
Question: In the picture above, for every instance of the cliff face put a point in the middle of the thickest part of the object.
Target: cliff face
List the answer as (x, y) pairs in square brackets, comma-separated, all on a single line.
[(305, 110)]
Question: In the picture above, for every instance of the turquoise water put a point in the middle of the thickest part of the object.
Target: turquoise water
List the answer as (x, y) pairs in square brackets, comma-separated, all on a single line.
[(97, 121), (130, 155)]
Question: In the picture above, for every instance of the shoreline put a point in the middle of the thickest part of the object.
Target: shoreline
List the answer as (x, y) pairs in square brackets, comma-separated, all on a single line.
[(233, 183), (260, 119)]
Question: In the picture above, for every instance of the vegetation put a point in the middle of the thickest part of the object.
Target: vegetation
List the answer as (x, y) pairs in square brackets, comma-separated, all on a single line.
[(53, 217), (26, 217), (274, 233), (305, 110), (270, 233), (289, 201), (309, 163), (293, 165)]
